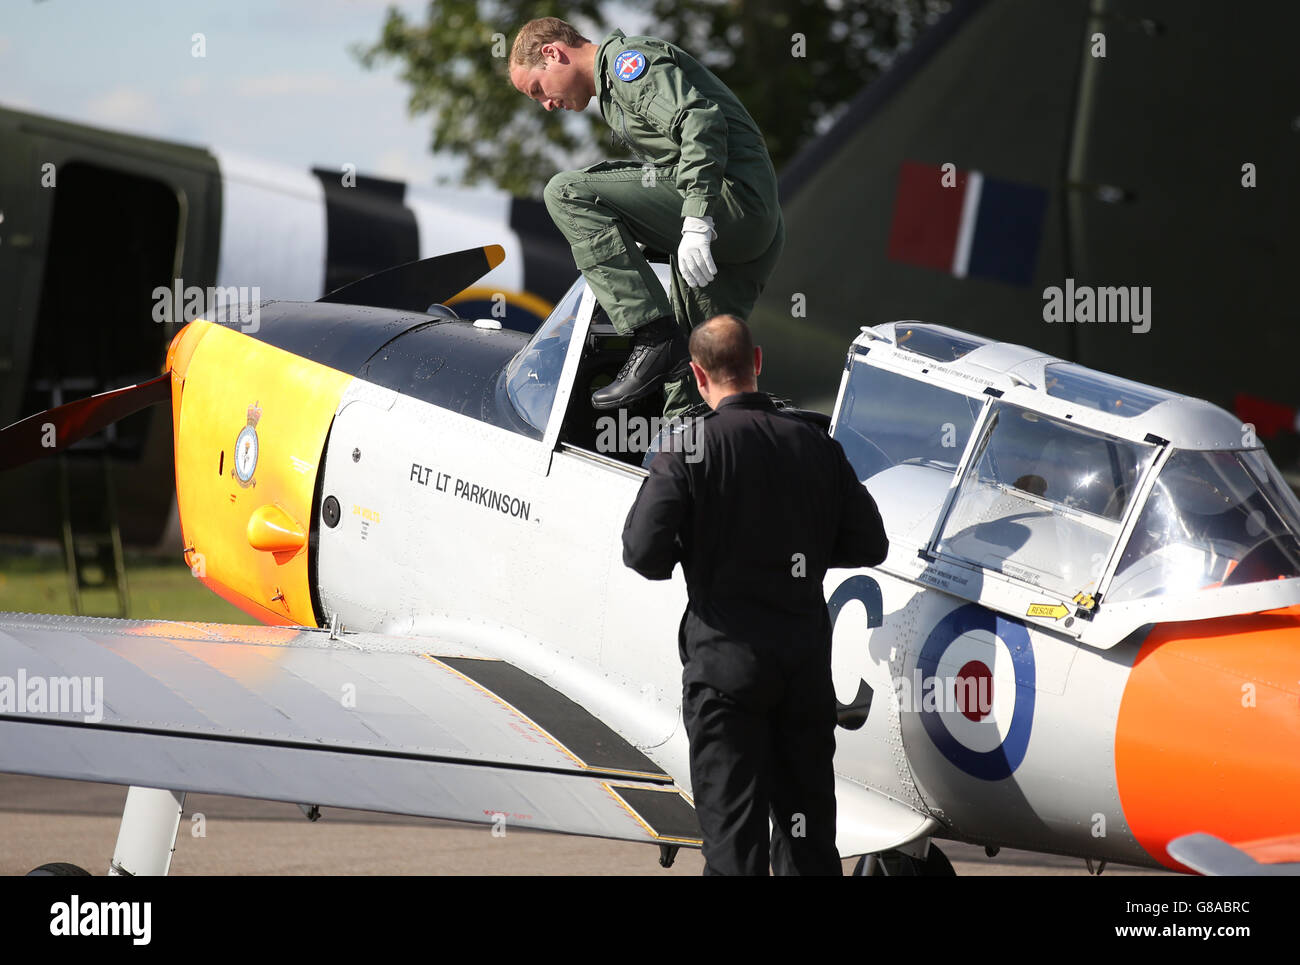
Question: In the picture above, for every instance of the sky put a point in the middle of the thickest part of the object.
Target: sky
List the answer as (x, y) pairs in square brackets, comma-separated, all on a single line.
[(277, 83)]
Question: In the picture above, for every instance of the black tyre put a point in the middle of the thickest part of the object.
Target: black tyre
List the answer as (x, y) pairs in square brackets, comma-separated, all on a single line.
[(899, 865), (58, 868)]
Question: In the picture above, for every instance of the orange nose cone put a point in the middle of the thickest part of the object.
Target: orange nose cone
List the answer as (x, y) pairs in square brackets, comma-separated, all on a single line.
[(271, 529), (171, 350), (182, 346), (1208, 733)]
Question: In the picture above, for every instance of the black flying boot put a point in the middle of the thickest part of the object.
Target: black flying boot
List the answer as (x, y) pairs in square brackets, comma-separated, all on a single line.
[(658, 353)]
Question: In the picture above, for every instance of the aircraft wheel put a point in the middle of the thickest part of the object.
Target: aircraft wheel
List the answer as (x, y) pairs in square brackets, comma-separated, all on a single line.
[(58, 868), (897, 864)]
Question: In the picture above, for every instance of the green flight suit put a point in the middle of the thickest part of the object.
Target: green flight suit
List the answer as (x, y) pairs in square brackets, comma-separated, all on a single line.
[(699, 153)]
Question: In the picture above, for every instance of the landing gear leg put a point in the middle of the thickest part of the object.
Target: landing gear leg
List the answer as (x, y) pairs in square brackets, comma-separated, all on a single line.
[(146, 838)]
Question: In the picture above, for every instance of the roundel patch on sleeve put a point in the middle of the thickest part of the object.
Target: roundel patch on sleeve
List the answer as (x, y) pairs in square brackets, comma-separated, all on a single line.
[(629, 65)]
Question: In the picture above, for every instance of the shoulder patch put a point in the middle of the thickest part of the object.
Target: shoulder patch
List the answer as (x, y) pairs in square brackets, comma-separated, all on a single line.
[(629, 65)]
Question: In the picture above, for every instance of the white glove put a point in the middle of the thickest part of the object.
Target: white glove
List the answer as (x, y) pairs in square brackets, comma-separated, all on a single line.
[(694, 260)]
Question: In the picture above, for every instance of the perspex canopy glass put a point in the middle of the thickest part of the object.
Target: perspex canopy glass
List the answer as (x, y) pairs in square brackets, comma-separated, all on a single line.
[(1212, 519), (533, 377), (1043, 500), (1099, 391)]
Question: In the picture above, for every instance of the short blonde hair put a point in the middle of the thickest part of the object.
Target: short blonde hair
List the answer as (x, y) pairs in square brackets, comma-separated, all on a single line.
[(536, 34)]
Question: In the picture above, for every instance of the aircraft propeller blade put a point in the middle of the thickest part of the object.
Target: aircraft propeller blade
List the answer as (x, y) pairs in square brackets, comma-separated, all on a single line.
[(56, 429), (416, 285)]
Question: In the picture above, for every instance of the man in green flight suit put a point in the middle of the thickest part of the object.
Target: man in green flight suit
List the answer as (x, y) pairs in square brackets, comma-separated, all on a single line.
[(703, 189)]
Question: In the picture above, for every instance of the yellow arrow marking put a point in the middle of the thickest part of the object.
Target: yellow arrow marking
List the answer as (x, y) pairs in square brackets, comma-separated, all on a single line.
[(1053, 610)]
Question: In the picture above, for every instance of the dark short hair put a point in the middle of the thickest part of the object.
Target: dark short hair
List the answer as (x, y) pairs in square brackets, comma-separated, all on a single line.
[(723, 347), (536, 34)]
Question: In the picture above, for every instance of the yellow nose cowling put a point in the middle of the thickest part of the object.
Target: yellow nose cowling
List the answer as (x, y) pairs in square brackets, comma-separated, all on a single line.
[(250, 422)]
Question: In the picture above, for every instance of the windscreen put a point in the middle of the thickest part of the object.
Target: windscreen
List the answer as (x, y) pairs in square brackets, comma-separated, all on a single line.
[(887, 419), (533, 377)]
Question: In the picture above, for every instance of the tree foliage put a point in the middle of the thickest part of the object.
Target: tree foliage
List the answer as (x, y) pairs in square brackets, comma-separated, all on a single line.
[(793, 63)]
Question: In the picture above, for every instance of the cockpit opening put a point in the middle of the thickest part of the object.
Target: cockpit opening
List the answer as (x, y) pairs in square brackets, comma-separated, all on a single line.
[(533, 380), (1044, 500), (596, 430)]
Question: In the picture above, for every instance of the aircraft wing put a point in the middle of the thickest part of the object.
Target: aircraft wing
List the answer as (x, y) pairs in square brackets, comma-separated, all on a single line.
[(365, 721)]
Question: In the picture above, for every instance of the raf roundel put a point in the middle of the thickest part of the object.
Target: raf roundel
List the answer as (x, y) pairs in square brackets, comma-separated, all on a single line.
[(983, 667), (629, 65)]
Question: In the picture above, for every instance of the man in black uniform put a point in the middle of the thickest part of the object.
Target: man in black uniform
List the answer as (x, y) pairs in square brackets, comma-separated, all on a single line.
[(759, 509)]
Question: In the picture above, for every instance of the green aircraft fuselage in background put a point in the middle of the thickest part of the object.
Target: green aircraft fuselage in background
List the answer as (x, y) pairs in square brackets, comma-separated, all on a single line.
[(1138, 159)]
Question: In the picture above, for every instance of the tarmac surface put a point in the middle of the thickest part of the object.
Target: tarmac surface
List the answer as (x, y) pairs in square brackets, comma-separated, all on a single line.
[(43, 820)]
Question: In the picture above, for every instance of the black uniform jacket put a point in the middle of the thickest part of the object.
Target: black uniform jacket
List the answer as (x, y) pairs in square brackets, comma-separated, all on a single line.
[(755, 506)]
